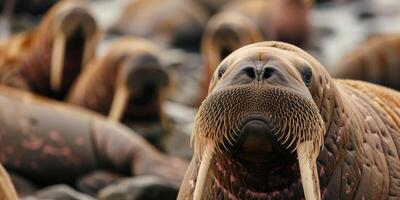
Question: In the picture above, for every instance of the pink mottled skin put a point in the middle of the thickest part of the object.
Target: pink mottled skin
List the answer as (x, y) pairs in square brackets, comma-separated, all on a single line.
[(51, 140)]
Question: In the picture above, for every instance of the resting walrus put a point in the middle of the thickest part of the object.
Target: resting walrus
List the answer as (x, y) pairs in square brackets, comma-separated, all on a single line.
[(176, 23), (47, 60), (270, 105), (49, 142), (376, 60), (281, 20), (127, 83)]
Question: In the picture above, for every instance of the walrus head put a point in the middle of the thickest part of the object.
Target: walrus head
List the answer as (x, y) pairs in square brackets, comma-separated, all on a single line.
[(225, 32), (74, 42), (61, 47), (141, 81), (258, 118)]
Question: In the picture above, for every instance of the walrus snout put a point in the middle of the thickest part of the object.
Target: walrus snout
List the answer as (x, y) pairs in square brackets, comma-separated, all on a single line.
[(144, 74), (255, 137), (256, 142)]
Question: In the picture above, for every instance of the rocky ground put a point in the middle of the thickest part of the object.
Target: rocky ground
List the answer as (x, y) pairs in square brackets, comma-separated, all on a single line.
[(336, 30)]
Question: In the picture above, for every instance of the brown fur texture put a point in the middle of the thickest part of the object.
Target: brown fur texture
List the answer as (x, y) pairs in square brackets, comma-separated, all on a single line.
[(225, 32), (167, 22), (361, 129), (280, 20), (96, 86), (376, 60), (25, 59), (7, 190)]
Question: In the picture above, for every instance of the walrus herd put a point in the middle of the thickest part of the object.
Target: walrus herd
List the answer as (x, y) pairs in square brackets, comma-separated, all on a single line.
[(271, 121)]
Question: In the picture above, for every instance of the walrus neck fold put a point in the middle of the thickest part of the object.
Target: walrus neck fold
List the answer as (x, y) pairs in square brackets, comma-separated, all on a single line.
[(35, 65)]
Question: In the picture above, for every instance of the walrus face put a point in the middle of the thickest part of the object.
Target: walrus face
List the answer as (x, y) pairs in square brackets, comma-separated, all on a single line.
[(259, 111), (141, 80), (74, 44)]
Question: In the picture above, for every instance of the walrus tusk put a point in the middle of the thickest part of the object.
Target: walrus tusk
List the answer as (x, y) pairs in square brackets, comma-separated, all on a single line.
[(89, 50), (308, 170), (7, 190), (119, 103), (57, 60), (203, 171)]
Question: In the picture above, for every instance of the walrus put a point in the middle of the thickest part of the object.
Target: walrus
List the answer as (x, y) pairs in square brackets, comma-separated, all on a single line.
[(7, 190), (47, 60), (50, 142), (281, 20), (275, 125), (127, 83), (376, 60), (224, 33), (169, 23)]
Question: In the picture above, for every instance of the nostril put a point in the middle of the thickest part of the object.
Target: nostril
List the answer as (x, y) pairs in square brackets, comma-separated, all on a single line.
[(268, 72), (249, 71)]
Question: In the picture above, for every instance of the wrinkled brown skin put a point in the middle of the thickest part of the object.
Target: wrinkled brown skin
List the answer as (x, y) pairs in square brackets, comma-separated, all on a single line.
[(25, 58), (167, 22), (96, 85), (225, 32), (49, 142), (360, 158), (375, 60), (279, 20), (7, 191)]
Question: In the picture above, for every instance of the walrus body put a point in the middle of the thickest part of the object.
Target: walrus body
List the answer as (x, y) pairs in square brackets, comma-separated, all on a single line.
[(376, 60), (271, 101), (127, 83), (176, 23), (47, 60), (224, 33), (49, 142), (7, 191)]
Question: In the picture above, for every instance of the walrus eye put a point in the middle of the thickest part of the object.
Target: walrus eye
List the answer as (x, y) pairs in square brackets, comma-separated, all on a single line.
[(220, 72), (307, 77)]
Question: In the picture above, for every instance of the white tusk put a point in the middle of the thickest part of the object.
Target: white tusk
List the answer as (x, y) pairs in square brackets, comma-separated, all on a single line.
[(57, 61), (119, 103), (7, 190), (89, 50), (203, 171), (308, 170)]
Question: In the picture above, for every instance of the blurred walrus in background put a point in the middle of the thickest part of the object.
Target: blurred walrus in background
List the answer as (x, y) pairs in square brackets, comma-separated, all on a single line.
[(128, 83), (7, 190), (376, 60), (271, 108), (225, 32), (47, 60), (169, 23), (280, 20), (49, 142)]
